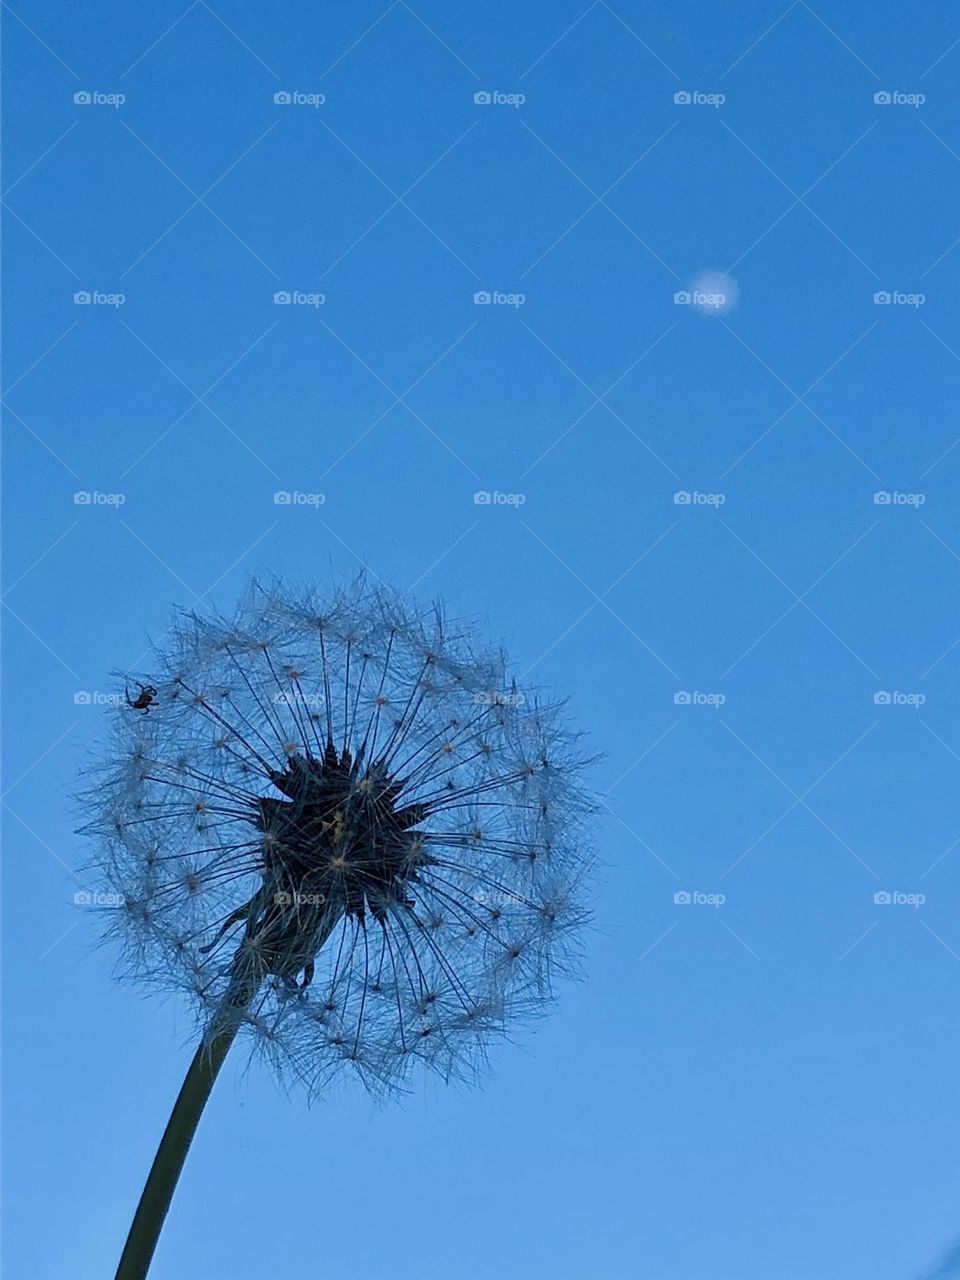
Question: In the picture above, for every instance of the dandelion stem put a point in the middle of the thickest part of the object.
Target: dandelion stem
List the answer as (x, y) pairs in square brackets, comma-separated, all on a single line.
[(185, 1116), (168, 1162)]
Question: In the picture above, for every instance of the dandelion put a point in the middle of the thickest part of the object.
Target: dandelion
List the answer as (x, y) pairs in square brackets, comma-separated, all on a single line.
[(346, 837)]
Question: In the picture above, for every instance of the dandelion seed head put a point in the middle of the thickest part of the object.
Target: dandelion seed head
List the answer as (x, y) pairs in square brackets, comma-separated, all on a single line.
[(327, 808)]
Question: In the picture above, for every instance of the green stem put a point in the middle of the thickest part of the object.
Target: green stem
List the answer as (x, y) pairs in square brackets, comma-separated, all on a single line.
[(184, 1118), (174, 1145)]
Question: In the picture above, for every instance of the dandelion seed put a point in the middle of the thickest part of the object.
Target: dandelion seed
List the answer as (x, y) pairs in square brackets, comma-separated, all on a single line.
[(334, 837)]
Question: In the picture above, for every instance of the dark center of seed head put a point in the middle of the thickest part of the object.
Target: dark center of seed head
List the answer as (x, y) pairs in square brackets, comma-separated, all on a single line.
[(340, 838)]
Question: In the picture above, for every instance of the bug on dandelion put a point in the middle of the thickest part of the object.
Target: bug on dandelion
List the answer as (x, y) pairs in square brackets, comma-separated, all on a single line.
[(144, 699)]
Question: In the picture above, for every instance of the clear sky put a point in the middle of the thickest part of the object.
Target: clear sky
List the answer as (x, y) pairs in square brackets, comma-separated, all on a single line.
[(763, 1085)]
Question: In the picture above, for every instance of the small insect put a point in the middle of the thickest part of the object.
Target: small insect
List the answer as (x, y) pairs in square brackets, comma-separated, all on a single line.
[(144, 698)]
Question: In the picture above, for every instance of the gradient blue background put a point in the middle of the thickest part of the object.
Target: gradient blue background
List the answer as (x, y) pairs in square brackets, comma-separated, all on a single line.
[(767, 1088)]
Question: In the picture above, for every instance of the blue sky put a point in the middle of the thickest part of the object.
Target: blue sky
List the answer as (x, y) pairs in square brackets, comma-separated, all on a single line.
[(761, 1087)]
